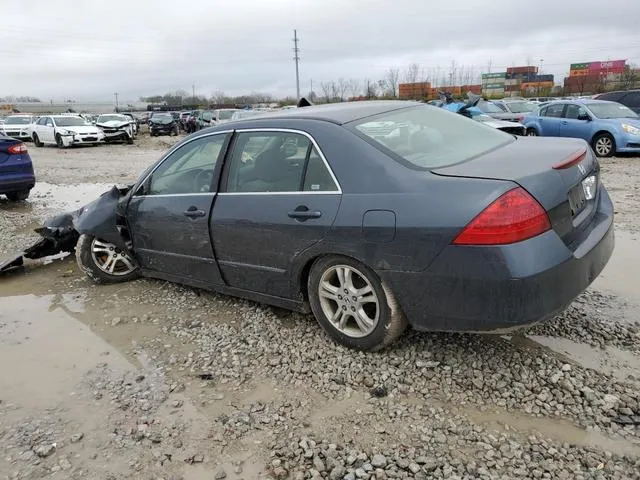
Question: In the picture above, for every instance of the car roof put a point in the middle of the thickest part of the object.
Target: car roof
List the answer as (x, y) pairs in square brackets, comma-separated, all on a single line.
[(339, 113)]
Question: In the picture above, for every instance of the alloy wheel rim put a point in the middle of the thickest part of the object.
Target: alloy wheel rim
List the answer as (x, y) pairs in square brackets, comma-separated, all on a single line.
[(349, 301), (111, 259), (603, 145)]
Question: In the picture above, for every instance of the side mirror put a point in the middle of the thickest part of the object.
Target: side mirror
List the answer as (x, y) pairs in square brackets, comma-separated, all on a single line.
[(585, 117)]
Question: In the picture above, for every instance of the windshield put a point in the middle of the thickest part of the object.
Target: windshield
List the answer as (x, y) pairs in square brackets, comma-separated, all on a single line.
[(162, 118), (109, 118), (427, 137), (17, 121), (70, 121), (488, 107), (521, 107), (225, 114), (611, 110)]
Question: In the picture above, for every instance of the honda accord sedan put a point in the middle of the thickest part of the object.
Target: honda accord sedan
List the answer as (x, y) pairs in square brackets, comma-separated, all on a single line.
[(434, 221)]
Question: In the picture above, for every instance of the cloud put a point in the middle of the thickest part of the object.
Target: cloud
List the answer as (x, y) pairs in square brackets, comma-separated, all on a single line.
[(89, 50)]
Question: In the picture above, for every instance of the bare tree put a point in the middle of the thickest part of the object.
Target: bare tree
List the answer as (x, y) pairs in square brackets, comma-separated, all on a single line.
[(629, 76), (371, 88), (452, 72), (392, 79), (354, 87), (342, 86), (383, 87), (413, 73), (326, 91), (219, 97)]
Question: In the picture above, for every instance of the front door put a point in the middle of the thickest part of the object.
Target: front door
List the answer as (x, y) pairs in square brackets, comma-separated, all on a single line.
[(169, 218), (46, 130), (280, 198)]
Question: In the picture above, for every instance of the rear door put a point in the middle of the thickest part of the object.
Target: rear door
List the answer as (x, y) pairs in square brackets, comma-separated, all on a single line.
[(280, 198), (550, 119), (571, 125), (169, 216)]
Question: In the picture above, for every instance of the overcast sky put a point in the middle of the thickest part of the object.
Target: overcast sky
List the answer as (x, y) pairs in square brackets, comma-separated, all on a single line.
[(87, 50)]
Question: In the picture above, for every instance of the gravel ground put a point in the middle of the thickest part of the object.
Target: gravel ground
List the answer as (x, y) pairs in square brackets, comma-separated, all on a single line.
[(151, 380)]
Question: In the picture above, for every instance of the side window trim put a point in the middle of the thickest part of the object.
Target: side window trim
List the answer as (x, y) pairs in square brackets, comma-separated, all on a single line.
[(303, 178), (225, 149), (313, 144)]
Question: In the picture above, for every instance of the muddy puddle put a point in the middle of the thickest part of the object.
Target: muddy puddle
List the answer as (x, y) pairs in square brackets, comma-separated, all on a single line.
[(47, 350), (621, 274), (554, 428)]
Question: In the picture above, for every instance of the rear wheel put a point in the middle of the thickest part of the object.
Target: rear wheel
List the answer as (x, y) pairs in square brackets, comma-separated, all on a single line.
[(353, 305), (18, 196), (532, 132), (104, 262), (36, 140), (604, 145)]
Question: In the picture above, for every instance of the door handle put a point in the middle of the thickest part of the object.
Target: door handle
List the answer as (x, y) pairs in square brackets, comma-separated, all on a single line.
[(302, 213), (193, 212)]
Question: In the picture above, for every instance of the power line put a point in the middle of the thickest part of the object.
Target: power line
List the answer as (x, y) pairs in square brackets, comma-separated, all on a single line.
[(296, 57)]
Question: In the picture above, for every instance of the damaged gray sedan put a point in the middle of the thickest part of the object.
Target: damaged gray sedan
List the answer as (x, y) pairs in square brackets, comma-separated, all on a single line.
[(438, 222), (117, 128)]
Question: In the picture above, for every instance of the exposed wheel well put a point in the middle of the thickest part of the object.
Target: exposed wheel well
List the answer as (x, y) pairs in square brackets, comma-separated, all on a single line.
[(601, 132)]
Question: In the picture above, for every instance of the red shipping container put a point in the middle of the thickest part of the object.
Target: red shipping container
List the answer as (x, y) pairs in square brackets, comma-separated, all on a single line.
[(612, 66)]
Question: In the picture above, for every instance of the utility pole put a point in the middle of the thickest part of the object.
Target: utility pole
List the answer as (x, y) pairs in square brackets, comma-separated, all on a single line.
[(311, 90), (193, 92), (116, 95), (296, 57)]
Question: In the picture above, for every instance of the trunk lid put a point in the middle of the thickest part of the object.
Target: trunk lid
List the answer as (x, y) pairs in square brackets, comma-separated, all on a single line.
[(530, 162)]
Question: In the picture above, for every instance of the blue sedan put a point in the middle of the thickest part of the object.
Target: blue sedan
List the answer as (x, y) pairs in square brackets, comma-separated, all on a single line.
[(609, 127), (371, 215), (16, 170)]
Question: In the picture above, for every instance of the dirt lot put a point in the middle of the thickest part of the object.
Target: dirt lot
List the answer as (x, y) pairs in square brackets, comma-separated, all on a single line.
[(150, 380)]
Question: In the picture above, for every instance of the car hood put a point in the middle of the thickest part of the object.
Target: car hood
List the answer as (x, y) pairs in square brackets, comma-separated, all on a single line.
[(15, 126), (495, 123), (634, 122), (113, 124), (162, 122)]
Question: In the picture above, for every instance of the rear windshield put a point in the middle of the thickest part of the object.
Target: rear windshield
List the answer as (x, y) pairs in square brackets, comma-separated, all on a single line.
[(226, 114), (488, 107), (521, 107), (428, 137)]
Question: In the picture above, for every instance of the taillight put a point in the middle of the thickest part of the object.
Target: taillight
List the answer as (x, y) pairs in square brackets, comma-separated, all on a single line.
[(17, 148), (513, 217), (570, 161)]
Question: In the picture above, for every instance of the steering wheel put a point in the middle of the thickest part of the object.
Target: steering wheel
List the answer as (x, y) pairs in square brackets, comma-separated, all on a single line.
[(202, 181)]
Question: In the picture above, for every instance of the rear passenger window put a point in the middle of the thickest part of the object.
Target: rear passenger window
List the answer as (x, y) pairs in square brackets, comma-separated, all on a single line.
[(318, 178), (554, 111)]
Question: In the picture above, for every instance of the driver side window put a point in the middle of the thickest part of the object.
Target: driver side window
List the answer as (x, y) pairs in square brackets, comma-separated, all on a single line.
[(574, 111), (190, 169)]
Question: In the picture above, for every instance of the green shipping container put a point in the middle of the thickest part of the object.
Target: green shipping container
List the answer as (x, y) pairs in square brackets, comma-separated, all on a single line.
[(494, 75), (579, 66)]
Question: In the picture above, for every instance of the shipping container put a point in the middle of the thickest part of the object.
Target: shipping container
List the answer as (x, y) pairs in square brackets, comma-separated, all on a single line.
[(493, 75), (578, 73), (414, 90), (579, 66), (527, 69), (543, 78), (493, 81), (536, 85), (613, 66), (512, 81)]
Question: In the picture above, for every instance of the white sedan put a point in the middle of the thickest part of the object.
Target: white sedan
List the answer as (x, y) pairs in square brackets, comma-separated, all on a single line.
[(65, 131), (18, 126)]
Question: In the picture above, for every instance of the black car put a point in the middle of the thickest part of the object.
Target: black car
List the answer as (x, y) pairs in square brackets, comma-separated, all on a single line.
[(371, 215), (163, 124), (628, 98)]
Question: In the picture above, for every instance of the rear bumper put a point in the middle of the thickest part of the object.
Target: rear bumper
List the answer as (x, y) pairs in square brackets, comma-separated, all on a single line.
[(493, 288), (17, 183)]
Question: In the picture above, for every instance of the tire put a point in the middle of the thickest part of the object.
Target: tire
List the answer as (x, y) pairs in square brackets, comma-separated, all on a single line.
[(532, 132), (18, 196), (129, 141), (90, 253), (384, 322), (59, 141), (36, 140), (604, 145)]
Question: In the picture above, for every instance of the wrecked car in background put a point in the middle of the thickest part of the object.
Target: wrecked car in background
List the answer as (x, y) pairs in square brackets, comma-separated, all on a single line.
[(65, 131), (436, 220), (163, 124), (18, 126), (16, 170), (116, 128)]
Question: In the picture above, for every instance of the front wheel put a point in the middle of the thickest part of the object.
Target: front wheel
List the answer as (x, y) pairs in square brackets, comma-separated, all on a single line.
[(532, 132), (352, 304), (18, 196), (104, 262), (59, 141), (604, 145)]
